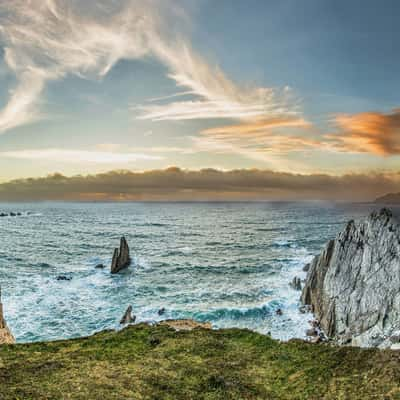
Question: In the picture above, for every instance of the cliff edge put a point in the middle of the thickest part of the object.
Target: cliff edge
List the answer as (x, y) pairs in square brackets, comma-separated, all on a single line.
[(353, 286)]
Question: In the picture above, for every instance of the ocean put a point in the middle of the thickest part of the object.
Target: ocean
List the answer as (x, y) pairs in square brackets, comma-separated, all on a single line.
[(226, 263)]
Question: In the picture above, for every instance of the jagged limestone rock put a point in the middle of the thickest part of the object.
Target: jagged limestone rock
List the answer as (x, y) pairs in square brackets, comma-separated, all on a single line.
[(6, 336), (121, 258), (353, 286)]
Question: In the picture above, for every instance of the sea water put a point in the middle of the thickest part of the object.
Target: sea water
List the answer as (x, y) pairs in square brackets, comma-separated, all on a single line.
[(226, 263)]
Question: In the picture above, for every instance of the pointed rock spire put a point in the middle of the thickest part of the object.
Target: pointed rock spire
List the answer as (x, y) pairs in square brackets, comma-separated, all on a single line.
[(121, 258), (128, 318)]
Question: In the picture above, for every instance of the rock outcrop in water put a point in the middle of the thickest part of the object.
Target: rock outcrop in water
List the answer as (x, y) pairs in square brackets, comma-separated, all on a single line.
[(295, 283), (353, 286), (11, 214), (121, 258), (6, 336), (128, 318)]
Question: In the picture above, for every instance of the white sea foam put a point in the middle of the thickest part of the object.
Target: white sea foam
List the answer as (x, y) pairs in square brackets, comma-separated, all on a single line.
[(206, 265)]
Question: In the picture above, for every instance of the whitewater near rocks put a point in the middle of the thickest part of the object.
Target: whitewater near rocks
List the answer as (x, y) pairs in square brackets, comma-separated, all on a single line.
[(353, 286), (229, 264)]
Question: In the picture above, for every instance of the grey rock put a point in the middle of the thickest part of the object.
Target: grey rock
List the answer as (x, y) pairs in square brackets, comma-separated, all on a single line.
[(296, 283), (161, 311), (395, 339), (121, 258), (316, 339), (305, 308), (128, 318), (63, 278), (6, 337), (353, 286), (100, 266), (312, 332), (306, 268), (279, 312)]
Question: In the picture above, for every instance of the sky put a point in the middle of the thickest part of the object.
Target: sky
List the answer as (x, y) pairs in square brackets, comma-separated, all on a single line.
[(307, 88)]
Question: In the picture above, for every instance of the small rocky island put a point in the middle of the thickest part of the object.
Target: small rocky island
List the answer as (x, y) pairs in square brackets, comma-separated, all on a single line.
[(121, 258), (353, 286)]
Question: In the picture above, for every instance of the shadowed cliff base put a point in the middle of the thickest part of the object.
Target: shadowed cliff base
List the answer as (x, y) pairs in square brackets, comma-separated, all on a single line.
[(174, 184), (156, 362)]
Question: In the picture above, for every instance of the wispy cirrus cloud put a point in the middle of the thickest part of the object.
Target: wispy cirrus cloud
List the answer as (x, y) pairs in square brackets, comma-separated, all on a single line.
[(46, 40), (214, 95), (79, 156)]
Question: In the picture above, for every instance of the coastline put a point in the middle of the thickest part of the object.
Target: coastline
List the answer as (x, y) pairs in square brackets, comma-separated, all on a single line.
[(157, 362)]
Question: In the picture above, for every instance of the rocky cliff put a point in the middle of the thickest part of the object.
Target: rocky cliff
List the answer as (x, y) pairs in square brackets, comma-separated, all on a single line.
[(390, 198), (353, 286), (6, 336)]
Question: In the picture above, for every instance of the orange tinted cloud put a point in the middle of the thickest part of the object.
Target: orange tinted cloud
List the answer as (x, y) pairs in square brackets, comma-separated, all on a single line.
[(369, 132), (262, 136), (262, 125)]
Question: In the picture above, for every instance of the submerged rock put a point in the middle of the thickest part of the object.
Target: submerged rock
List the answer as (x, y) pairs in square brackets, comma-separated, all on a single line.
[(121, 258), (63, 278), (6, 336), (128, 318), (100, 266), (353, 286), (161, 311)]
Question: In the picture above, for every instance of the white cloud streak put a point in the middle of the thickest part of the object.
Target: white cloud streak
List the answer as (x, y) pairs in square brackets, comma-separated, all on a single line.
[(214, 95), (45, 40), (78, 156)]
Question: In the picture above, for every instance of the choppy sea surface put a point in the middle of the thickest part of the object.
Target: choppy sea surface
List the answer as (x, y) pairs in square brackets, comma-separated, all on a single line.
[(227, 263)]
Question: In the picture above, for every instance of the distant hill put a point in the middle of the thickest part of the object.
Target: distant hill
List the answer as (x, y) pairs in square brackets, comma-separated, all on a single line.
[(390, 198)]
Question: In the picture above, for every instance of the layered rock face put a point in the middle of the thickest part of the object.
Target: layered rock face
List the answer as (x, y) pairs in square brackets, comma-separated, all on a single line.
[(6, 336), (121, 258), (353, 286)]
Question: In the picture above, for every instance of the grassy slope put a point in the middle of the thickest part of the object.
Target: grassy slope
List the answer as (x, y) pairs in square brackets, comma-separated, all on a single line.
[(143, 362)]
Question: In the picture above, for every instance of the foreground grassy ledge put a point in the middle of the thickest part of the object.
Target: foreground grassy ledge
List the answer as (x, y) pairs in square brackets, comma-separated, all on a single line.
[(156, 362)]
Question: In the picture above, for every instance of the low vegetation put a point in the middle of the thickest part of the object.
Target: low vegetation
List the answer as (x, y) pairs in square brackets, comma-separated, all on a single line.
[(156, 362)]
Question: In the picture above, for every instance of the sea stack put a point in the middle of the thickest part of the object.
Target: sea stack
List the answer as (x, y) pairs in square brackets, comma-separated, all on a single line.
[(353, 286), (121, 258), (6, 336)]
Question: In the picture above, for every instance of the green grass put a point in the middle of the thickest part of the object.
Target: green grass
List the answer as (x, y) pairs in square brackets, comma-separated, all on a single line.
[(155, 362)]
